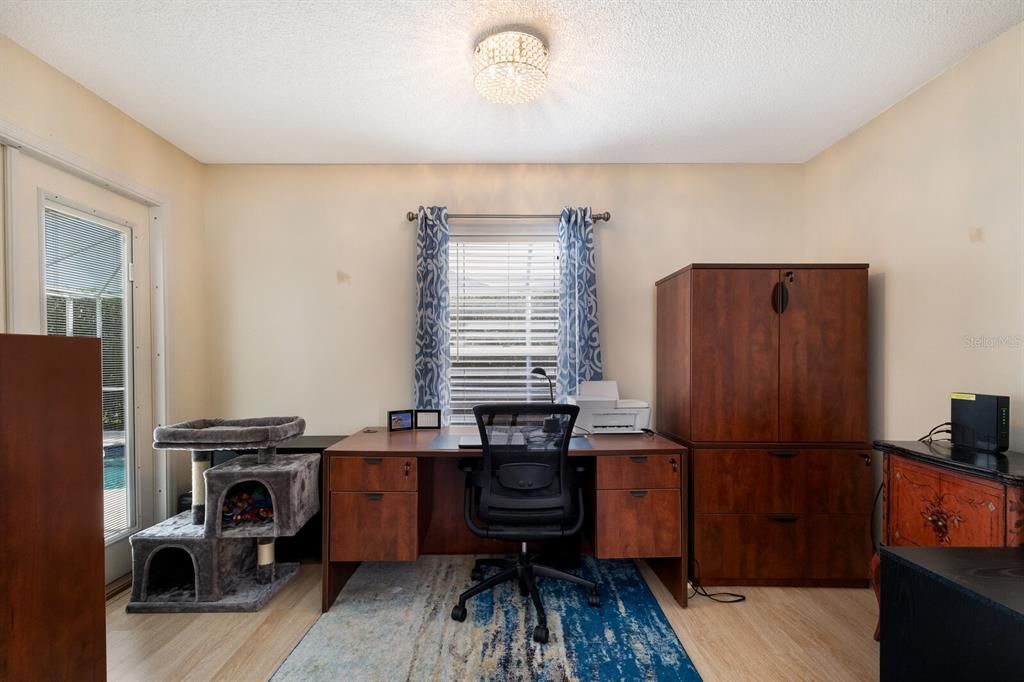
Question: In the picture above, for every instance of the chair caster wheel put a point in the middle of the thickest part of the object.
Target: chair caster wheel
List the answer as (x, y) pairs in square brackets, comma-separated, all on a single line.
[(540, 634), (476, 574), (594, 600), (459, 613)]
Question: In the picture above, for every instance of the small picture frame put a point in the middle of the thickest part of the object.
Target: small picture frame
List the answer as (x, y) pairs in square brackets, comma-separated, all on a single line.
[(400, 420), (428, 419)]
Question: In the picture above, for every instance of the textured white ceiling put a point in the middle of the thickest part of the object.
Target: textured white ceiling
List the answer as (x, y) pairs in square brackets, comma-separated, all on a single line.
[(390, 81)]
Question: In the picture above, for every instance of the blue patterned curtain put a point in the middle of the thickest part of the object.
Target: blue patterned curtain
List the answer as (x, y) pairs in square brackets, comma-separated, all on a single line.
[(579, 343), (433, 355)]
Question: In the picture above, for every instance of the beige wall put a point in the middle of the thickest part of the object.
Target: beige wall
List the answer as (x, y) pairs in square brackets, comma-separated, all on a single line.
[(39, 99), (931, 193), (291, 287), (310, 268)]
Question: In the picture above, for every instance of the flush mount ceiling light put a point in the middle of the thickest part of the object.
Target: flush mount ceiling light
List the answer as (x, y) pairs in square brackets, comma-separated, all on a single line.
[(510, 67)]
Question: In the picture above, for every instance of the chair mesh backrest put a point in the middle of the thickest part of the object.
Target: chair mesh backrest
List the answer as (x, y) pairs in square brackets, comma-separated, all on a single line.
[(526, 446), (530, 430)]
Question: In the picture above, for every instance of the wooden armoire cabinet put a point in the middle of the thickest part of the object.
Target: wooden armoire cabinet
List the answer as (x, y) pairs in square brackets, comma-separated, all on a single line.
[(52, 607), (762, 372)]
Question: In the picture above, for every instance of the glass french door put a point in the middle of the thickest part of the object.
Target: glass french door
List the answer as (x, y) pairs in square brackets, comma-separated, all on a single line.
[(86, 272), (79, 267)]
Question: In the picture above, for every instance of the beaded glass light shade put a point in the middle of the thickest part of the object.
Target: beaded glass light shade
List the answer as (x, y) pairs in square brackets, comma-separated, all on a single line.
[(510, 67)]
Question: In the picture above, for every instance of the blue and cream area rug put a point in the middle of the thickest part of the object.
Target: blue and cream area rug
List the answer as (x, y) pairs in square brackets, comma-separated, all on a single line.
[(392, 622)]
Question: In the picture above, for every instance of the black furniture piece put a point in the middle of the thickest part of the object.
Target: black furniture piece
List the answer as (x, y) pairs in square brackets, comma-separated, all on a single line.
[(524, 489), (952, 613)]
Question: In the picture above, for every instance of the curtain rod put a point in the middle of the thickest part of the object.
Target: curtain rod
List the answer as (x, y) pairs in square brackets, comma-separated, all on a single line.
[(411, 216)]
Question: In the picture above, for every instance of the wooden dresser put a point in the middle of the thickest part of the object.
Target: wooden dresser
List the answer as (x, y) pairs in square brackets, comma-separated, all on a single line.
[(937, 495), (762, 373)]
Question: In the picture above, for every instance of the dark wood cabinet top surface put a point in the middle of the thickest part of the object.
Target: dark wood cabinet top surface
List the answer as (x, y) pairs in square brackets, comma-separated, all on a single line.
[(1007, 467), (995, 573), (764, 266)]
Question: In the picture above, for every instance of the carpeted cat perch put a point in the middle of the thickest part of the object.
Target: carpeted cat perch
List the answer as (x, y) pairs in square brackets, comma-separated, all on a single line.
[(220, 557)]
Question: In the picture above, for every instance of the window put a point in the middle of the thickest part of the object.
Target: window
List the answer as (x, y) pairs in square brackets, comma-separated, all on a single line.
[(503, 308)]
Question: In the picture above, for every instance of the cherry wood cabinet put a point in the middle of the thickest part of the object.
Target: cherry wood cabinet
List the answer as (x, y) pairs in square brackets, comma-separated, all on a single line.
[(735, 350), (51, 551), (762, 371), (823, 353), (763, 354)]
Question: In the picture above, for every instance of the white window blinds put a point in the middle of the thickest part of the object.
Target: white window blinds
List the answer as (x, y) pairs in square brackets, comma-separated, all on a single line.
[(503, 307)]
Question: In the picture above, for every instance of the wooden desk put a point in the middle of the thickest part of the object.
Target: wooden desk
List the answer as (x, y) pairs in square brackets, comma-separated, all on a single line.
[(395, 496)]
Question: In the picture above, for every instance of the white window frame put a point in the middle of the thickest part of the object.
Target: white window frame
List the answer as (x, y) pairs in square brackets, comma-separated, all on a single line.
[(483, 230)]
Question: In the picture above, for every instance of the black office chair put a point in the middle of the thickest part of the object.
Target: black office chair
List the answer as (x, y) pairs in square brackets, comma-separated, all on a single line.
[(524, 488)]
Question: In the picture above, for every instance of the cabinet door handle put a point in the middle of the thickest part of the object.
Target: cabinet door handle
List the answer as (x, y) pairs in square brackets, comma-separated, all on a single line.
[(374, 496), (783, 518), (639, 459), (372, 460), (782, 453), (780, 297), (638, 493)]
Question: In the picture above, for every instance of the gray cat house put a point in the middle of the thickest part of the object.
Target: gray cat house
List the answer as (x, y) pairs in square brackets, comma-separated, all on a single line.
[(220, 555)]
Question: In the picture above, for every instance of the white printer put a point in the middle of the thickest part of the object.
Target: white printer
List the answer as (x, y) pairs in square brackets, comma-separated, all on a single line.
[(601, 410)]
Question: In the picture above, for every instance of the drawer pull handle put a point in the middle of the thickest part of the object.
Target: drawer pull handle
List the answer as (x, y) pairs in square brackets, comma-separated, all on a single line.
[(372, 460), (783, 518), (782, 453), (640, 459), (675, 465), (408, 466), (374, 496), (638, 493), (867, 459)]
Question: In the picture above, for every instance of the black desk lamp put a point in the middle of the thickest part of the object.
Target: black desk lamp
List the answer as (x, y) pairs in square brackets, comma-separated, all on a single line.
[(539, 371), (551, 424)]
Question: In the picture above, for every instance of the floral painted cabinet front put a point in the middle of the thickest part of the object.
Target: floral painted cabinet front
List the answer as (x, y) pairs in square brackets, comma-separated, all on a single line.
[(929, 506)]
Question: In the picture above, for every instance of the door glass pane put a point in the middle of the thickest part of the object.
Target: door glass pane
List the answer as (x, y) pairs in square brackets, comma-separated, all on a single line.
[(86, 265)]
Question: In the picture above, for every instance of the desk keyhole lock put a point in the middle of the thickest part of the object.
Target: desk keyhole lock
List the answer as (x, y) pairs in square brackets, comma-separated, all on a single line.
[(675, 465), (408, 466), (867, 459)]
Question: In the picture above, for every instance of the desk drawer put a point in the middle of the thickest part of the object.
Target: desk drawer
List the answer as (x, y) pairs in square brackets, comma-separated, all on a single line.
[(637, 523), (783, 480), (621, 472), (740, 549), (374, 526), (373, 474)]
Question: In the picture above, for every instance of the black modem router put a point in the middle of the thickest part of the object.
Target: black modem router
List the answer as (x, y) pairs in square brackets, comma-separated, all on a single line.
[(980, 422)]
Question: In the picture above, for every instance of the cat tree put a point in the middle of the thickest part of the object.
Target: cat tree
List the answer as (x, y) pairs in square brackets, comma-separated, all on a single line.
[(219, 556)]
